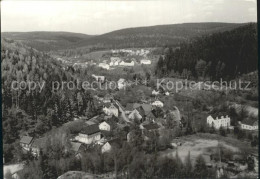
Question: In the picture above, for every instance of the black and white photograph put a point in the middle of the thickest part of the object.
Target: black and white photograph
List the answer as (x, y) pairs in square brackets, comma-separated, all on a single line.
[(129, 89)]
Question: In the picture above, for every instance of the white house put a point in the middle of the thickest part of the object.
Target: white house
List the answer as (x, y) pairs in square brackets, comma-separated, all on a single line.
[(89, 134), (110, 144), (249, 124), (99, 78), (121, 83), (114, 51), (104, 66), (104, 126), (111, 110), (122, 63), (218, 122), (106, 147), (154, 92), (137, 113), (167, 93), (114, 61), (158, 104), (107, 98), (145, 62)]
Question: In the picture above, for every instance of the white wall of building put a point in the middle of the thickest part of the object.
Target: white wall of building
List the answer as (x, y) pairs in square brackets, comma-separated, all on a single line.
[(218, 122), (88, 139), (104, 126)]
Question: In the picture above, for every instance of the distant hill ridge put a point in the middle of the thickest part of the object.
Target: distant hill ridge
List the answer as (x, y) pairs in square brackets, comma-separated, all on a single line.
[(149, 36)]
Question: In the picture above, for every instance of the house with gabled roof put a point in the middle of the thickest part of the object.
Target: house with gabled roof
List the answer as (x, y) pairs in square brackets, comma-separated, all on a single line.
[(137, 113), (150, 116), (107, 125), (147, 108), (108, 146), (77, 148), (218, 121), (131, 106), (104, 66), (121, 83), (110, 109), (157, 103), (26, 142), (249, 124), (145, 61), (89, 134), (99, 78), (107, 98), (36, 146)]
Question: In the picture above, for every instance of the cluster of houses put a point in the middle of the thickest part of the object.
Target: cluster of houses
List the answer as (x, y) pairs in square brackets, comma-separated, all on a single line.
[(93, 131), (140, 52), (224, 121), (117, 61)]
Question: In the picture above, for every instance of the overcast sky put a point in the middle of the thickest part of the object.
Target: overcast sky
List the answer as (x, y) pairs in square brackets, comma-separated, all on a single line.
[(97, 17)]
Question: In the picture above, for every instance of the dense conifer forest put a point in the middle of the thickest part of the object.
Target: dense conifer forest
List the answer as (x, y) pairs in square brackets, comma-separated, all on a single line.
[(221, 55)]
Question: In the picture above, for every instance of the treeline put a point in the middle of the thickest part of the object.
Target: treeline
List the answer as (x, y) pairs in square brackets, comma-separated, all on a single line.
[(154, 36), (36, 111), (221, 55)]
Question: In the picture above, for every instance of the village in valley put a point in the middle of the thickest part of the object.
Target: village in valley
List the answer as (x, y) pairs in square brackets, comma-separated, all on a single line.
[(163, 101), (137, 111)]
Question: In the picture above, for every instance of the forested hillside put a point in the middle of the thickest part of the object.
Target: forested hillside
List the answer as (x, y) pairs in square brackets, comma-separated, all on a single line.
[(36, 111), (221, 55), (45, 41), (155, 36), (151, 36)]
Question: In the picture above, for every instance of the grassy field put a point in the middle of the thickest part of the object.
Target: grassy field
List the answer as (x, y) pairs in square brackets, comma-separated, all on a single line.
[(205, 143)]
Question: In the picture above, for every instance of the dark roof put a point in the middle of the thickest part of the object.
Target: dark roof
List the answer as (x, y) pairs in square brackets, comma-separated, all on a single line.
[(151, 126), (26, 139), (136, 105), (90, 123), (141, 111), (250, 122), (75, 146), (112, 106), (92, 129), (150, 115), (106, 105), (218, 115), (147, 108)]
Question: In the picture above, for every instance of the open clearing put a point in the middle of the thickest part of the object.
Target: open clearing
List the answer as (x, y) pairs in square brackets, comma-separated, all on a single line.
[(197, 146), (13, 168)]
